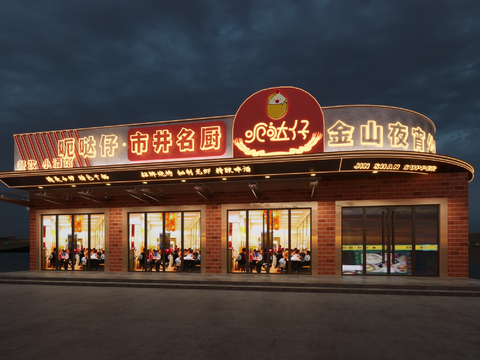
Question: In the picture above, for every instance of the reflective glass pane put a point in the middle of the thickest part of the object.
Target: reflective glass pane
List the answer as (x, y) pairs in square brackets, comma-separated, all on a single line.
[(377, 241), (191, 236), (279, 220), (80, 240), (65, 241), (426, 240), (352, 241), (300, 241), (237, 257), (154, 250), (257, 233), (97, 241), (401, 240), (137, 258), (174, 261), (49, 242)]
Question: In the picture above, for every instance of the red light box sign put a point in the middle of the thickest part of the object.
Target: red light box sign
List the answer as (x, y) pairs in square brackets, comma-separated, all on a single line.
[(182, 141), (278, 121)]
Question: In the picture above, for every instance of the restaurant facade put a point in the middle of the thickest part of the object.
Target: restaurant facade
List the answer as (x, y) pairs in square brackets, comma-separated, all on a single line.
[(282, 187)]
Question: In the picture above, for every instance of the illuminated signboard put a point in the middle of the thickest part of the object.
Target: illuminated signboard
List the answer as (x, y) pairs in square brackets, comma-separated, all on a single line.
[(281, 121), (279, 167), (180, 141), (120, 145), (370, 127), (278, 121)]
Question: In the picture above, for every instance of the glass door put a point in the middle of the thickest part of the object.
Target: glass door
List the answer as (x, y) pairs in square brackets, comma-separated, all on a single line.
[(381, 240), (388, 241)]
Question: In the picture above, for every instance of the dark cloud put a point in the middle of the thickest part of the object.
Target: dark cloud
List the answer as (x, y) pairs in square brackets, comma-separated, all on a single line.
[(66, 64)]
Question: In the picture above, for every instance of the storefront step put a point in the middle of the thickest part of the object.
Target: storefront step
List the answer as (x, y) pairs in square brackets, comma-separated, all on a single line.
[(405, 289)]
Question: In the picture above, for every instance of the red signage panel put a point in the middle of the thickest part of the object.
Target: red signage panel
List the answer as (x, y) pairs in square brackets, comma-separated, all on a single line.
[(278, 121), (192, 140)]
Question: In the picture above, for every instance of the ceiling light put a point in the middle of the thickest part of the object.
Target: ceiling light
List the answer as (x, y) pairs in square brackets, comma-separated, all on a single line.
[(89, 195), (203, 191), (151, 194), (137, 195), (255, 189), (313, 186)]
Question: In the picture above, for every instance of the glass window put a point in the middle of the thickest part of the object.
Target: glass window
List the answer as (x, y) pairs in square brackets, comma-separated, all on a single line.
[(171, 241), (352, 247), (50, 249), (73, 242), (269, 241), (426, 240)]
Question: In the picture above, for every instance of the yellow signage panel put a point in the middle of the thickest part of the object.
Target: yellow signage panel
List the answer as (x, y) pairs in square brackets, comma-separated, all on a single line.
[(397, 247)]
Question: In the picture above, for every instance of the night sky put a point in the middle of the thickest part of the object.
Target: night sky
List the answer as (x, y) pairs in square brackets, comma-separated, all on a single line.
[(74, 64)]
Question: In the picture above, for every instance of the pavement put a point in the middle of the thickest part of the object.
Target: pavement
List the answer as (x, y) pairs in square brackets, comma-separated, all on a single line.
[(47, 315), (379, 285)]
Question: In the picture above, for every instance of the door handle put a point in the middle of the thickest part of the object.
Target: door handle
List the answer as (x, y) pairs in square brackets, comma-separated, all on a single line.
[(393, 238), (384, 215)]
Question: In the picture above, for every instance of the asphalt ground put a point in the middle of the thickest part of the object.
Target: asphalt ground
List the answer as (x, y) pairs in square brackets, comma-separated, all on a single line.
[(84, 316), (45, 322)]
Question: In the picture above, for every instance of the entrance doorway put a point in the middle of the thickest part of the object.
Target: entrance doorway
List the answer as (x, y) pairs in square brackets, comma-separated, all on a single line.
[(390, 240)]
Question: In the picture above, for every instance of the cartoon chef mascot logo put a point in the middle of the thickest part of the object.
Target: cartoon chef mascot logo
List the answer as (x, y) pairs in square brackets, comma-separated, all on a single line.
[(278, 121), (277, 106)]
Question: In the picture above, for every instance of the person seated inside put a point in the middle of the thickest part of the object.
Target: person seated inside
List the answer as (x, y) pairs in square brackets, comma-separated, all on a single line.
[(306, 259), (53, 258), (242, 260), (64, 258), (197, 259), (189, 260), (280, 262), (83, 259), (94, 260), (178, 263), (101, 260), (253, 261), (258, 257), (142, 260), (175, 257), (296, 260), (155, 261)]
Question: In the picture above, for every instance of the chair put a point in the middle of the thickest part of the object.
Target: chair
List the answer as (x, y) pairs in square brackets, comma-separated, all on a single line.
[(306, 268), (242, 267)]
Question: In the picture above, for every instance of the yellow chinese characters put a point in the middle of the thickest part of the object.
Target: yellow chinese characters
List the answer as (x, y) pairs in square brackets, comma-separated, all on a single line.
[(211, 136), (80, 177), (340, 134), (372, 134)]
